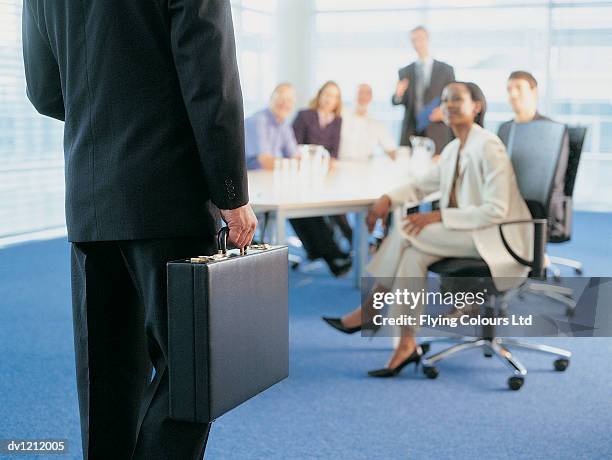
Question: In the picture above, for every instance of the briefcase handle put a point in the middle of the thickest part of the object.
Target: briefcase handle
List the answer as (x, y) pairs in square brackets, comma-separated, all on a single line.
[(222, 240), (222, 243)]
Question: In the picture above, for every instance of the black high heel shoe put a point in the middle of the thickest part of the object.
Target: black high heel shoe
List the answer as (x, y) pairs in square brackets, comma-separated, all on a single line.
[(415, 358), (336, 323)]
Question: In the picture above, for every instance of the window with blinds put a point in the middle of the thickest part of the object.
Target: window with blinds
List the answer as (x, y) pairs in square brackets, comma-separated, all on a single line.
[(566, 44), (31, 159), (31, 154)]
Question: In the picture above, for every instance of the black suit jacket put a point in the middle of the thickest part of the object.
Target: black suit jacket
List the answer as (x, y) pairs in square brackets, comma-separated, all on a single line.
[(441, 75), (151, 99)]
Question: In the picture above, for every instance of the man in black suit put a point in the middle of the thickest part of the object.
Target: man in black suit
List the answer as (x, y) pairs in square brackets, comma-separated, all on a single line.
[(153, 137), (419, 89)]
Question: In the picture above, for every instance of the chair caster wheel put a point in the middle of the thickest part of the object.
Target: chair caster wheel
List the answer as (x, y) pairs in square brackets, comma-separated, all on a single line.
[(561, 364), (430, 372), (295, 265), (569, 311), (515, 383), (487, 354), (578, 271), (557, 278)]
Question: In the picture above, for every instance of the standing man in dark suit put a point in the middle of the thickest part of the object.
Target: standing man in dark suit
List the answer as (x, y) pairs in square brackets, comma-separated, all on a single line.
[(419, 89), (153, 136)]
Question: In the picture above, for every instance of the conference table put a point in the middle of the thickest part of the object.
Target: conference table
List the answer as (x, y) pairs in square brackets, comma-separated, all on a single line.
[(350, 187)]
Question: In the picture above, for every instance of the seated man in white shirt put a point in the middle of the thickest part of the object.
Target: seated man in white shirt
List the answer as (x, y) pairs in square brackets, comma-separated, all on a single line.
[(361, 134)]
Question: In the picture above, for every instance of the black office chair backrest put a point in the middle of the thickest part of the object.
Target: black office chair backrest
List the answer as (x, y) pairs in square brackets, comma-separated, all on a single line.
[(535, 149), (577, 134)]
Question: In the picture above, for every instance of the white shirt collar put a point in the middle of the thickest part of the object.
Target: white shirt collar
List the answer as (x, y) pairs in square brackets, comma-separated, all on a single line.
[(428, 61)]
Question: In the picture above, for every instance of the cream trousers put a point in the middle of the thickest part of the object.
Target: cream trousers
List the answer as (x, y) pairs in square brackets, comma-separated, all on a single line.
[(402, 260)]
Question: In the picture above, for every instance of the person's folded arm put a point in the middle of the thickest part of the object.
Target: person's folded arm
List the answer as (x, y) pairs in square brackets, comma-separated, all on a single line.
[(43, 83), (497, 171), (204, 51)]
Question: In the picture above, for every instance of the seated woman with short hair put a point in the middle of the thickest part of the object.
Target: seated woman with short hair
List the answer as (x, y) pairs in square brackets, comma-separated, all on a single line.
[(478, 190)]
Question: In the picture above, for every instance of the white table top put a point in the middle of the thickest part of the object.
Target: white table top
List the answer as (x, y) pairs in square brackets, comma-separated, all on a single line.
[(348, 184)]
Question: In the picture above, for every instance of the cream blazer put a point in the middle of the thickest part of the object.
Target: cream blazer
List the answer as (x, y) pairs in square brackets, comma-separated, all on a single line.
[(487, 194)]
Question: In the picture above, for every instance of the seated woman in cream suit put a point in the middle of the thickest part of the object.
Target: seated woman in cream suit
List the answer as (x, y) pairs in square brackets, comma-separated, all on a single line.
[(478, 190)]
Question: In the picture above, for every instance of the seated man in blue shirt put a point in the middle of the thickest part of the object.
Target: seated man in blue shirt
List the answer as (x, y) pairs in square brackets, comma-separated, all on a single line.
[(268, 135)]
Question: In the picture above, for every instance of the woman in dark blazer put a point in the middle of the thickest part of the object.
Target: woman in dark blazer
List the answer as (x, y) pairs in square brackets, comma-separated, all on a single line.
[(320, 124)]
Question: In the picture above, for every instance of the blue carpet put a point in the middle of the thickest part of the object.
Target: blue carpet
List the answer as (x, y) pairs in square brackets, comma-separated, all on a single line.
[(328, 408)]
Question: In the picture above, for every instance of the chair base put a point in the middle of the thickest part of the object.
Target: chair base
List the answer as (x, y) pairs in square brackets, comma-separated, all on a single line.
[(561, 294), (497, 347), (575, 264)]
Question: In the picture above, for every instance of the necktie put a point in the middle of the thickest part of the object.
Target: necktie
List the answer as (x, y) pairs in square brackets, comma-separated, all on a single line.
[(419, 87)]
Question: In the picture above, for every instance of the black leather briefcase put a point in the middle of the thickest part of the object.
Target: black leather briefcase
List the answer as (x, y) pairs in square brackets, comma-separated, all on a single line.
[(228, 332)]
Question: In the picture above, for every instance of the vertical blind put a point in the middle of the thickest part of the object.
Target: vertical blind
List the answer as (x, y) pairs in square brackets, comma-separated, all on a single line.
[(31, 165), (31, 155)]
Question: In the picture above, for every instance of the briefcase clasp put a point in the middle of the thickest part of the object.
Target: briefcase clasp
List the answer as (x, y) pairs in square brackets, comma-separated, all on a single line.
[(207, 259)]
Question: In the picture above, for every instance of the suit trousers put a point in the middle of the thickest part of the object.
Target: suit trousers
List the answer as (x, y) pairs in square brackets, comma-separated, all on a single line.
[(317, 236), (402, 260), (121, 335)]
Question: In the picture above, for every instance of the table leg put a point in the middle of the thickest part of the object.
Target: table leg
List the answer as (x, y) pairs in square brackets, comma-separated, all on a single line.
[(281, 237), (360, 244)]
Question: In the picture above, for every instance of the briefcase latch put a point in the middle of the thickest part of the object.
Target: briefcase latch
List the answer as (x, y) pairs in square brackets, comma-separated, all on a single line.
[(259, 247), (207, 259)]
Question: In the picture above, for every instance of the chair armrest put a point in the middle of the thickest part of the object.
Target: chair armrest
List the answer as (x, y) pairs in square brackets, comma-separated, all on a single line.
[(568, 214), (537, 264)]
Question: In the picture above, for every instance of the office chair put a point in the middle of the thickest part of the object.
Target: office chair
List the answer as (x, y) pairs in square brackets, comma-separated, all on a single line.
[(535, 177), (577, 135), (524, 139)]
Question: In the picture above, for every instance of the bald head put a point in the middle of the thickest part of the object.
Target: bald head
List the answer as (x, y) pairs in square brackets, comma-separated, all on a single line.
[(364, 97), (282, 101)]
